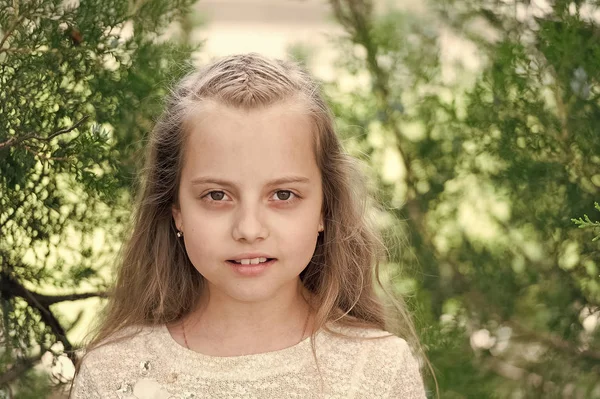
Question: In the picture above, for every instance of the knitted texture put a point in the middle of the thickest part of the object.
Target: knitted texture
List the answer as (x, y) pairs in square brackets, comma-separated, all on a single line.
[(151, 365)]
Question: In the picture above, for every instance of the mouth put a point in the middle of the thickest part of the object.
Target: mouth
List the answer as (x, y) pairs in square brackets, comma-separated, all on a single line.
[(244, 268), (250, 262)]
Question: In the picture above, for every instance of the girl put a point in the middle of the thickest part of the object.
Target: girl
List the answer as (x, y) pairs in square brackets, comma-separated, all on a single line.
[(249, 273)]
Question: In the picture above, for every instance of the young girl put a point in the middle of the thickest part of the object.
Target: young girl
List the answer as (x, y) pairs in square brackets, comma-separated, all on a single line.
[(249, 272)]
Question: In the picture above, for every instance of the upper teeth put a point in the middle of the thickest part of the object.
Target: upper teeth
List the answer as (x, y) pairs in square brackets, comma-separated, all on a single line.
[(254, 261)]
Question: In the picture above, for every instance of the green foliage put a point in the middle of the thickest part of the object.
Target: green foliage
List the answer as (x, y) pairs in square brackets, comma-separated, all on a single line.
[(486, 169), (79, 86), (586, 222), (31, 384)]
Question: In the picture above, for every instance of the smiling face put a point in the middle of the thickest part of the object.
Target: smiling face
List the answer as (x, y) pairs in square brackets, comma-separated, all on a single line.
[(250, 185)]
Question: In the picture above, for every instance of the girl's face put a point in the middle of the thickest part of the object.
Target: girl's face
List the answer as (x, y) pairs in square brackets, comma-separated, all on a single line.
[(250, 188)]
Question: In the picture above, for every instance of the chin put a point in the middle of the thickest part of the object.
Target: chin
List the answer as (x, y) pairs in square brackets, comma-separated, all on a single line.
[(258, 290), (251, 295)]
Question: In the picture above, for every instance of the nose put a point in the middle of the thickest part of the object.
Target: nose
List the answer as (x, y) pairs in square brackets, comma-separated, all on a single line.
[(249, 225)]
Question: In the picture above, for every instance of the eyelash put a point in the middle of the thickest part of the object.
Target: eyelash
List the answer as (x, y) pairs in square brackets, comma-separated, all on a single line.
[(293, 197)]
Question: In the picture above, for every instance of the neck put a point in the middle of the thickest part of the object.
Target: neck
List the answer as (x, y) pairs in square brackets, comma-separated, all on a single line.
[(222, 326)]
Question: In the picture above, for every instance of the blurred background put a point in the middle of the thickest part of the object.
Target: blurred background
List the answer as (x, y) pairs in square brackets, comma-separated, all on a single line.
[(477, 121)]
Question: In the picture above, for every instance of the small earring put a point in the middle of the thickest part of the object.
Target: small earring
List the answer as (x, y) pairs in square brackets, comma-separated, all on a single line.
[(179, 234)]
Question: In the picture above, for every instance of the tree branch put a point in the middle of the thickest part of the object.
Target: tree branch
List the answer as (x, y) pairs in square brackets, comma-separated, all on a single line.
[(357, 23), (65, 130), (17, 140), (47, 300), (10, 288), (553, 341), (550, 340), (20, 366), (9, 32)]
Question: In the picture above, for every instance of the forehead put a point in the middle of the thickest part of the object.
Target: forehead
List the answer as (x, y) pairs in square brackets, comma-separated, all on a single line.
[(248, 145)]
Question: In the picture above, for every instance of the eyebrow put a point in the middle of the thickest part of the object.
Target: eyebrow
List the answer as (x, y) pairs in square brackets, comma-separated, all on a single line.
[(276, 182)]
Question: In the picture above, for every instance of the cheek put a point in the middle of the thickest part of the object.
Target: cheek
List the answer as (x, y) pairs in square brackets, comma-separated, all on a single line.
[(301, 242), (197, 221), (197, 247), (203, 236)]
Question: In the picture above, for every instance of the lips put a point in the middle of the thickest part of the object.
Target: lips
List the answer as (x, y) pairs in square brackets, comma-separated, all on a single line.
[(249, 262), (251, 257), (251, 270)]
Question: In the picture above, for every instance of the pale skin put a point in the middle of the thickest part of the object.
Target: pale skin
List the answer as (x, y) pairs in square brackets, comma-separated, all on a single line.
[(250, 183)]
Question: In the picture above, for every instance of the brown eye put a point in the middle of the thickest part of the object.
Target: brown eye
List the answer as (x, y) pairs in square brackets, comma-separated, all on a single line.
[(216, 195), (283, 195)]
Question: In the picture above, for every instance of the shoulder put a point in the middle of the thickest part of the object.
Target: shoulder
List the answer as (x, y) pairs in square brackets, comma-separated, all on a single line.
[(375, 341), (110, 366), (384, 361), (126, 344)]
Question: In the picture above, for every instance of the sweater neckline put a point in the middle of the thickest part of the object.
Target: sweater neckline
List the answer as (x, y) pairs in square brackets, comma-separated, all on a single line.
[(278, 361)]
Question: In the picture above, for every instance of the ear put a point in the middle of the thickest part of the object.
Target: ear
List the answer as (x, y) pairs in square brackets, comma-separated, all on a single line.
[(176, 212), (322, 223)]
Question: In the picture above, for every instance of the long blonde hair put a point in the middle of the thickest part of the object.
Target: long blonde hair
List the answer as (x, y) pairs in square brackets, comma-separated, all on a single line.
[(156, 282)]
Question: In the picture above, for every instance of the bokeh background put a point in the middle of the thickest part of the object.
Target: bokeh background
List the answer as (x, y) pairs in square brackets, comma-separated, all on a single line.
[(477, 121)]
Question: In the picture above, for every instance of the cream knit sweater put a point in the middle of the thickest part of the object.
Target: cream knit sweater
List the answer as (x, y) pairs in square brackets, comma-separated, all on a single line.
[(151, 365)]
